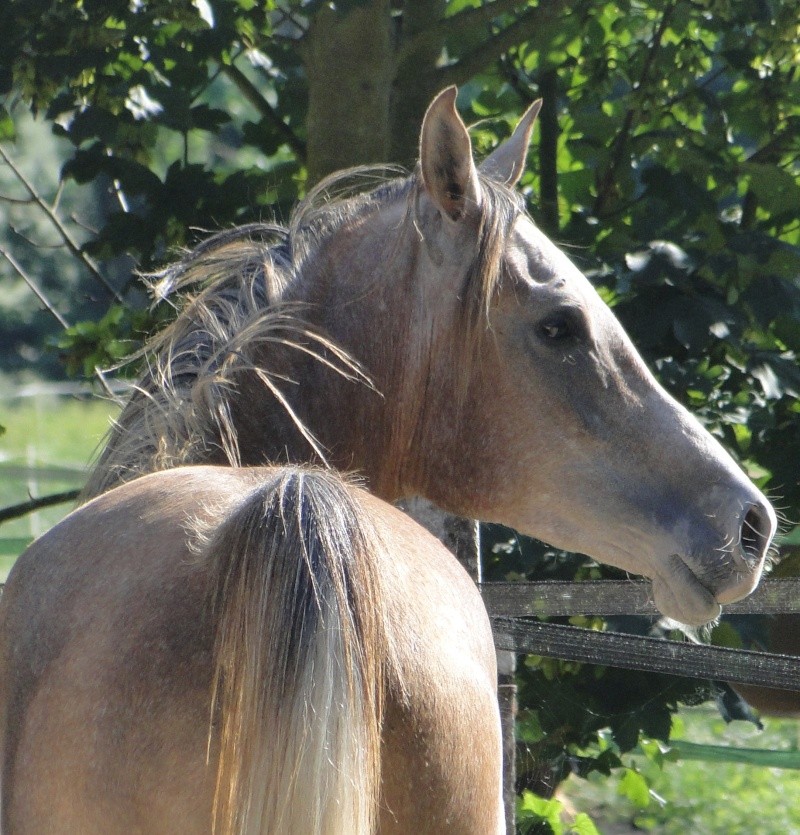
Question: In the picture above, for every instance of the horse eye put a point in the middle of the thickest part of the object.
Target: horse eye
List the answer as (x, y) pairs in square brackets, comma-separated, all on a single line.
[(557, 328)]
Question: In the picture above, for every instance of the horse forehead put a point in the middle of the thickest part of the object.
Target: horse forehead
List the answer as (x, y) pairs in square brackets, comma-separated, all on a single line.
[(538, 262)]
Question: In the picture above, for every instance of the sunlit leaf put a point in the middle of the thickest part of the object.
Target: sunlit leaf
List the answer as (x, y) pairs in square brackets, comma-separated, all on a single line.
[(634, 786)]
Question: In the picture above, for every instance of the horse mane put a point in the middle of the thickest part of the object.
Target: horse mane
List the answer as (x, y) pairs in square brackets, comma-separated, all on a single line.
[(229, 296)]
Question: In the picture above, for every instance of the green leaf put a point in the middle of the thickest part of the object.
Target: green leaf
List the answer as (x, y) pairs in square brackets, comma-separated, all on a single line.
[(725, 635), (777, 190), (584, 825), (208, 118), (653, 749), (634, 786), (532, 809)]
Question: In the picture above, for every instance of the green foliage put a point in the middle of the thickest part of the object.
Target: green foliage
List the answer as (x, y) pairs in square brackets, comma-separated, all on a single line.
[(582, 719), (689, 798), (105, 343), (119, 81), (540, 816), (634, 786)]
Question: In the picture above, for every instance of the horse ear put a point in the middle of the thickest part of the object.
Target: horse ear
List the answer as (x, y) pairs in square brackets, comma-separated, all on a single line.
[(445, 154), (507, 162)]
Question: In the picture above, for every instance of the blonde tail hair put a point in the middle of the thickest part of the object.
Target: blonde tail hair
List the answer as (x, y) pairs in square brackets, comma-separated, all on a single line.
[(299, 661)]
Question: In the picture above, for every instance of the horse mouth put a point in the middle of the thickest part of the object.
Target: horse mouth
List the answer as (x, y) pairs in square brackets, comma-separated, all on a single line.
[(742, 584), (681, 595)]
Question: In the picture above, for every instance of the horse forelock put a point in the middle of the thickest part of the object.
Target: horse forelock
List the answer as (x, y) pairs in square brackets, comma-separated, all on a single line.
[(500, 207)]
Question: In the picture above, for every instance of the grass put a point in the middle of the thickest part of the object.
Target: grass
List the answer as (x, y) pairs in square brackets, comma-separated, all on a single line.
[(698, 797), (45, 449)]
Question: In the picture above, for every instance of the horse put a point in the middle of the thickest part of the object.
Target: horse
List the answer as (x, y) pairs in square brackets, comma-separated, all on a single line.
[(427, 336)]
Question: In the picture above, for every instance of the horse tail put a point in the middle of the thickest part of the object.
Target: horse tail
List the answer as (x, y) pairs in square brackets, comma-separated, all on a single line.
[(299, 661)]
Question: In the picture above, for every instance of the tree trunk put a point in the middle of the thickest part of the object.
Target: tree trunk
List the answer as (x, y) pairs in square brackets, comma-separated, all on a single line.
[(349, 63), (367, 96), (548, 151)]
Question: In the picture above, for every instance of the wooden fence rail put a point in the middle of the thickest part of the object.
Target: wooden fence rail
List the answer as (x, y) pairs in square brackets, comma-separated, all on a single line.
[(511, 605), (638, 652), (554, 598)]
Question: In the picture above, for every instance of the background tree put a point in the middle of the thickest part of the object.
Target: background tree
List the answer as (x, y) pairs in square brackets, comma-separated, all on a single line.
[(667, 162)]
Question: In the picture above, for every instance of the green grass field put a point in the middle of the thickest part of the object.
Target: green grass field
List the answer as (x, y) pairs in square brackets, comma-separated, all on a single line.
[(45, 449)]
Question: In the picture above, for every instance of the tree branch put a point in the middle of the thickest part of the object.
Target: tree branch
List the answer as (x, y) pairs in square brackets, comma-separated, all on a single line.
[(55, 314), (606, 182), (450, 26), (548, 150), (36, 291), (771, 152), (547, 88), (22, 509), (71, 243), (265, 109)]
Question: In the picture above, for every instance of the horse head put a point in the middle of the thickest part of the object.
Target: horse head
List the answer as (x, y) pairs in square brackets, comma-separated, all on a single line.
[(562, 432)]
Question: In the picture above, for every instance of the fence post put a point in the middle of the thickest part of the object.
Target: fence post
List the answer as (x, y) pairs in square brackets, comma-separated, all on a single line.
[(460, 536), (507, 697)]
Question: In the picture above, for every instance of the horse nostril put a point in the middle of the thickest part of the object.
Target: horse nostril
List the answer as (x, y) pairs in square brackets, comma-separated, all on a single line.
[(756, 534)]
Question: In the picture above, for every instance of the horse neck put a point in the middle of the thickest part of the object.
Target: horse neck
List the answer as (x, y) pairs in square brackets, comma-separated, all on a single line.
[(366, 289)]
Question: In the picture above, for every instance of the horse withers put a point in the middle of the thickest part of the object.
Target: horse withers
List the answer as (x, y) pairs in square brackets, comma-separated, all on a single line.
[(428, 336)]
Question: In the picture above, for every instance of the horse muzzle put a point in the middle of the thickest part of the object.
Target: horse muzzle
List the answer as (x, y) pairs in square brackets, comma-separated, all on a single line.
[(716, 565), (729, 565), (748, 552)]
